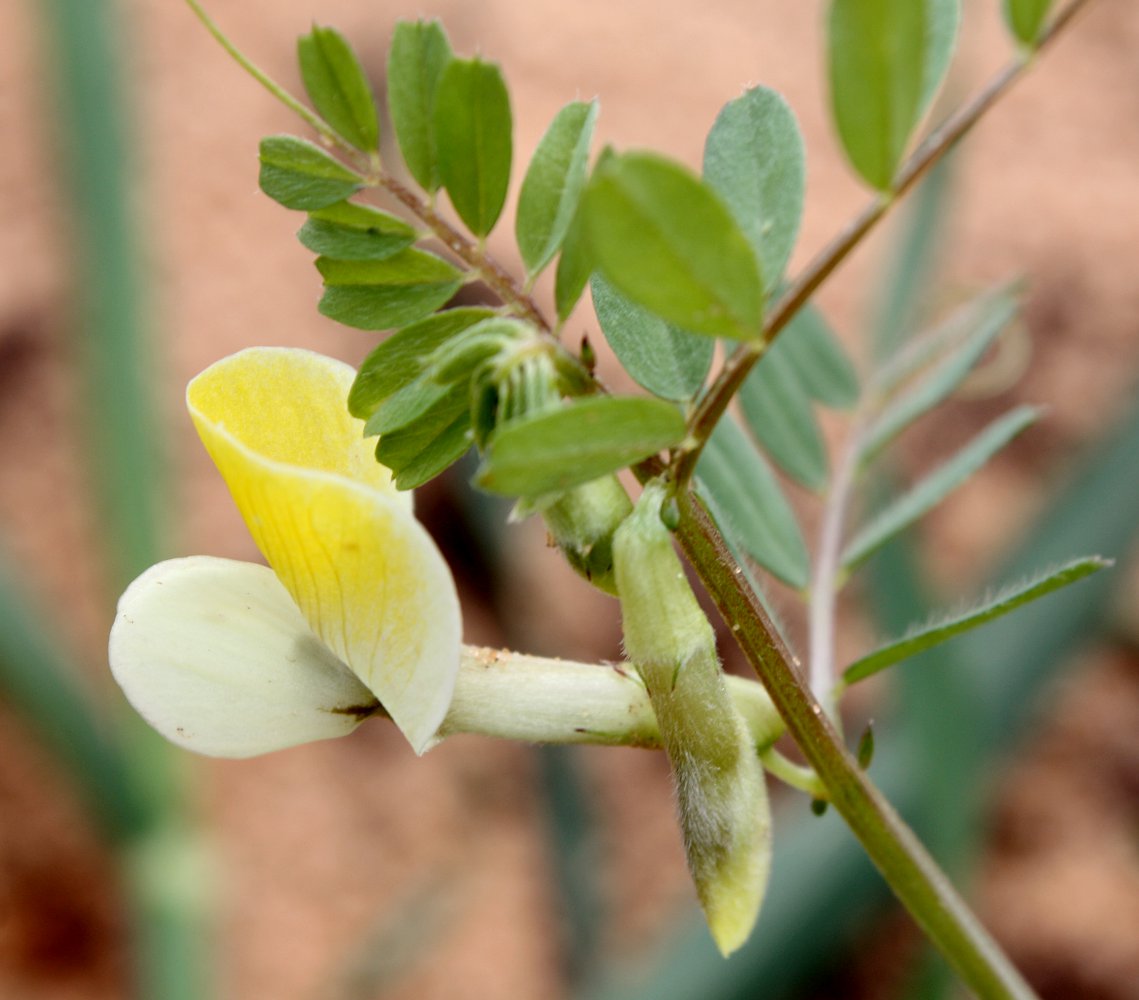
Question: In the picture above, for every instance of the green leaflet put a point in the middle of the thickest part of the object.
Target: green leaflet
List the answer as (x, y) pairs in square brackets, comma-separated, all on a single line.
[(902, 297), (877, 60), (943, 18), (822, 366), (993, 307), (419, 53), (928, 492), (746, 494), (399, 360), (780, 415), (1025, 19), (939, 630), (666, 361), (950, 353), (754, 159), (473, 140), (346, 231), (406, 405), (300, 175), (575, 265), (553, 185), (338, 87), (666, 241), (379, 295), (560, 449), (437, 438), (806, 364)]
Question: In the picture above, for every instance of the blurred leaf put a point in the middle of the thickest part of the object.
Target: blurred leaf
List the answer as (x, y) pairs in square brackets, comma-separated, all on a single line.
[(559, 449), (666, 241), (911, 264), (379, 295), (86, 46), (746, 493), (473, 140), (38, 680), (1095, 512), (993, 307), (1026, 18), (576, 854), (821, 363), (339, 90), (922, 637), (298, 174), (436, 439), (346, 231), (666, 361), (877, 57), (968, 336), (780, 415), (398, 361), (937, 485), (575, 265), (419, 53), (553, 184), (754, 159), (943, 18)]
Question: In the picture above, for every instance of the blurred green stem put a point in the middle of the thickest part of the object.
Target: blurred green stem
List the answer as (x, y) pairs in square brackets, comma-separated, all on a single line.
[(114, 358)]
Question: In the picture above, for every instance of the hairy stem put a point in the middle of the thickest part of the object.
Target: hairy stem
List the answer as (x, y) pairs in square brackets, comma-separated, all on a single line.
[(913, 875), (731, 376), (535, 699)]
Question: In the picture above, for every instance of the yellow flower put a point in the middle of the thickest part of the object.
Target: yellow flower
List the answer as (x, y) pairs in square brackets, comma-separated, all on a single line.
[(233, 659)]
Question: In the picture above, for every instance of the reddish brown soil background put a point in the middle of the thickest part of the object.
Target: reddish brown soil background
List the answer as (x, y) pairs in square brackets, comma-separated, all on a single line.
[(316, 848)]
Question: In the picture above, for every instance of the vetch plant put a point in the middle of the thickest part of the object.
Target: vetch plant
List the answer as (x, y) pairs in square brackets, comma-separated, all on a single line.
[(358, 616)]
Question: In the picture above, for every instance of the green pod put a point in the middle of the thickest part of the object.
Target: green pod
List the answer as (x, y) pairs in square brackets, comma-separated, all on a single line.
[(582, 523), (722, 799)]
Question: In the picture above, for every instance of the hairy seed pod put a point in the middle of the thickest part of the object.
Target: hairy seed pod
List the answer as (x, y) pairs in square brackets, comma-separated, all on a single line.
[(720, 791)]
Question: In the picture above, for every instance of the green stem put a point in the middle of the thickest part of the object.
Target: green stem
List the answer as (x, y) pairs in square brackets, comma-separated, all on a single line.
[(737, 367), (905, 864), (827, 569), (795, 775), (473, 254), (326, 131)]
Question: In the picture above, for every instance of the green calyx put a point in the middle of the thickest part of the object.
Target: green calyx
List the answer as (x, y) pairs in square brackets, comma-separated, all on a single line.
[(582, 523)]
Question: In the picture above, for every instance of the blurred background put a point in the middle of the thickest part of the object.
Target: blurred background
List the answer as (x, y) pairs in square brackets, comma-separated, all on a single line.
[(135, 249)]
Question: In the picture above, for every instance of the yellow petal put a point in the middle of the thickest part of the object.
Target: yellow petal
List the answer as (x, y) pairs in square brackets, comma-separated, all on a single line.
[(364, 573)]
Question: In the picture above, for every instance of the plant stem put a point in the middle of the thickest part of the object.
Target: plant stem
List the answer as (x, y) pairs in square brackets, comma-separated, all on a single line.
[(474, 255), (824, 580), (731, 376), (905, 864)]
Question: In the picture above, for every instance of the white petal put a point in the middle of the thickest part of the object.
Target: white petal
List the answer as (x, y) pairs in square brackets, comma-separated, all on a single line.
[(216, 656)]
